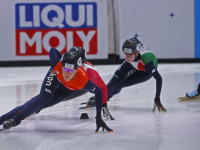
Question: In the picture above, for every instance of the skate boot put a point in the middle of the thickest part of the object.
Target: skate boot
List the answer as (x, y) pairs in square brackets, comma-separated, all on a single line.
[(90, 103), (192, 94), (91, 98), (8, 124)]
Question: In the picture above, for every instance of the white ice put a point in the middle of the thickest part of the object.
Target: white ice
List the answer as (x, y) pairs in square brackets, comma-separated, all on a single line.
[(135, 125)]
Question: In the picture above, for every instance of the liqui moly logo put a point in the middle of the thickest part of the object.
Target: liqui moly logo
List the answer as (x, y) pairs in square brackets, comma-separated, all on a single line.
[(40, 26)]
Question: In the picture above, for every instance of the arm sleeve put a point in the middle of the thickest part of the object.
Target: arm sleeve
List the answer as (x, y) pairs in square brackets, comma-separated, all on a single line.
[(96, 79), (152, 69), (93, 88), (54, 56)]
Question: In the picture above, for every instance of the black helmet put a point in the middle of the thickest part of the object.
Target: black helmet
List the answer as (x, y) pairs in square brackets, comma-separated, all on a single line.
[(131, 46), (81, 52), (71, 60)]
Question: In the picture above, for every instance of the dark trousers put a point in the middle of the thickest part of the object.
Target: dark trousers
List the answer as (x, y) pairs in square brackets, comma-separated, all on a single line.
[(126, 75), (51, 93)]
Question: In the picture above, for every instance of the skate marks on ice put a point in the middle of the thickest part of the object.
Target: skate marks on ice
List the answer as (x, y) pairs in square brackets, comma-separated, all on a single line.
[(135, 126)]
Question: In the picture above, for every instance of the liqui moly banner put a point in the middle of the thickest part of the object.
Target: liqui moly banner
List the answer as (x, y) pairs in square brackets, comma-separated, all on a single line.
[(40, 26)]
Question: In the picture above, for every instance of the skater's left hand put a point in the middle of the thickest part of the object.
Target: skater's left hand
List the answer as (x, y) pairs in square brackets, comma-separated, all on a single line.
[(106, 113), (101, 123), (158, 104)]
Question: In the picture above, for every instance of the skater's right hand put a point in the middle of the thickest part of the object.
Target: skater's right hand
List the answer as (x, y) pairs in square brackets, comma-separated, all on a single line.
[(101, 123), (158, 104), (106, 112)]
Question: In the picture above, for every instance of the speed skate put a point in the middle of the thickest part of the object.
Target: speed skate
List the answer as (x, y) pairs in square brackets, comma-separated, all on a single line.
[(187, 98)]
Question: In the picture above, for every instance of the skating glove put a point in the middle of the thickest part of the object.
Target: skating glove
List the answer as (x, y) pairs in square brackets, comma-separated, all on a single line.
[(158, 104), (101, 123), (106, 113)]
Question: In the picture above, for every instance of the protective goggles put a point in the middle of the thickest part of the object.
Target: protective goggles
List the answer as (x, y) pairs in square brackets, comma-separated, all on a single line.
[(68, 70)]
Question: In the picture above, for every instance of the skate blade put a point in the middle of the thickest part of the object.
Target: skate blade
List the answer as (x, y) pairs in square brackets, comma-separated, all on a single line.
[(186, 98), (86, 107)]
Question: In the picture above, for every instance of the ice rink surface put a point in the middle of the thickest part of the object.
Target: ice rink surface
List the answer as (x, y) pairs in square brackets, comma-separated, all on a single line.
[(135, 126)]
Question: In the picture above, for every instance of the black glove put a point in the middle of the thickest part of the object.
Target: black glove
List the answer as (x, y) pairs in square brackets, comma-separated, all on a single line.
[(101, 123), (106, 113), (158, 104)]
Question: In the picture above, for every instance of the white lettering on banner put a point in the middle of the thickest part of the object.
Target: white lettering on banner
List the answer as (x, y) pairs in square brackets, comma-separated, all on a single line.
[(61, 15), (24, 38), (69, 66), (51, 34), (68, 16), (69, 39), (56, 21), (36, 18), (86, 39), (90, 21), (22, 18), (37, 38)]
